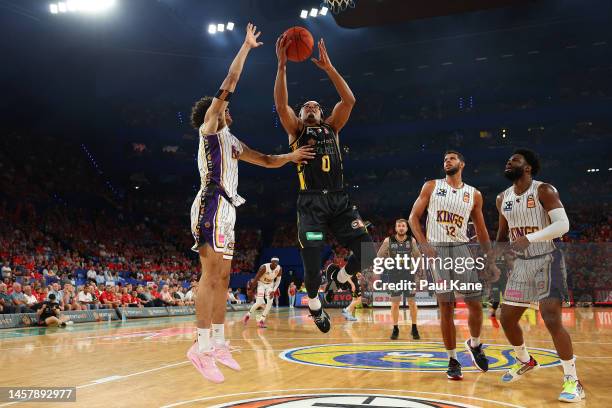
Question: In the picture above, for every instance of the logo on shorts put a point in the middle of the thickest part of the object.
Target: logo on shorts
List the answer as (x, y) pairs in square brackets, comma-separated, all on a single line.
[(508, 206), (207, 224), (466, 197), (441, 192), (314, 236), (357, 224), (403, 357), (531, 201)]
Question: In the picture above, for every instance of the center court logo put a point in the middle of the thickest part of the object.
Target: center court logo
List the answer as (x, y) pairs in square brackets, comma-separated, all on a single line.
[(342, 400), (416, 357)]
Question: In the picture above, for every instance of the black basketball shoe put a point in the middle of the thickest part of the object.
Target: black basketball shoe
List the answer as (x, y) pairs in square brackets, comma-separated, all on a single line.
[(321, 319), (415, 333), (395, 333), (478, 356), (454, 370)]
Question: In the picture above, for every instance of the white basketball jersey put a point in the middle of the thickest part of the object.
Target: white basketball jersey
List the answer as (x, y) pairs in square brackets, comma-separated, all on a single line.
[(270, 274), (525, 215), (218, 155), (448, 212)]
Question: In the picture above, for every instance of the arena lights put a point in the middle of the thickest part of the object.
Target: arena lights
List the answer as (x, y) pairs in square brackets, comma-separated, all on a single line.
[(84, 6), (314, 12), (593, 170), (219, 28)]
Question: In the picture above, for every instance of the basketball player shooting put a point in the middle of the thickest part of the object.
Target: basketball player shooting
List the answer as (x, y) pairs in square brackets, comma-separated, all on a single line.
[(322, 204), (213, 212), (530, 217), (450, 203), (268, 279)]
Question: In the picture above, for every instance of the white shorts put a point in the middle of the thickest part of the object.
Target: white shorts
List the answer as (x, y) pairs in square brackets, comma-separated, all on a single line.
[(265, 290), (212, 222)]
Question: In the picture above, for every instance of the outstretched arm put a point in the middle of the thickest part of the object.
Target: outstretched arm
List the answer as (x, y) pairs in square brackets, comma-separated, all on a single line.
[(299, 156), (288, 118), (342, 111), (221, 100)]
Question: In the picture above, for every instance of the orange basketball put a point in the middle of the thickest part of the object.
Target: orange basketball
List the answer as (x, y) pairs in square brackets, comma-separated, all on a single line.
[(301, 45)]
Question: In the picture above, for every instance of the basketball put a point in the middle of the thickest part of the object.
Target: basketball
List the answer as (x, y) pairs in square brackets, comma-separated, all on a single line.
[(301, 45)]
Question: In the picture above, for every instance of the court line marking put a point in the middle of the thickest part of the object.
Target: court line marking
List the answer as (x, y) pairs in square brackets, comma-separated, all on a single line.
[(506, 404), (344, 394)]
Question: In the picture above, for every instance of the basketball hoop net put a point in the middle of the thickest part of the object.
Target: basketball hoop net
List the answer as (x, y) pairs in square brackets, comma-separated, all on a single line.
[(338, 6)]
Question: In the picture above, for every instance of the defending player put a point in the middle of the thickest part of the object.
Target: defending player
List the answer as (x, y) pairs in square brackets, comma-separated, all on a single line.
[(530, 217), (401, 243), (450, 203), (268, 280), (322, 203), (213, 212)]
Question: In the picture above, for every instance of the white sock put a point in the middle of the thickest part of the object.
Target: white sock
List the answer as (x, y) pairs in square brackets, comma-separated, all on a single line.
[(204, 340), (218, 334), (569, 368), (314, 304), (343, 277), (521, 353), (475, 341), (452, 353)]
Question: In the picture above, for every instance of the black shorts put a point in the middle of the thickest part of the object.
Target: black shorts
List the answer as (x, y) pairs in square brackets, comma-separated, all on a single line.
[(395, 276), (357, 293), (321, 213)]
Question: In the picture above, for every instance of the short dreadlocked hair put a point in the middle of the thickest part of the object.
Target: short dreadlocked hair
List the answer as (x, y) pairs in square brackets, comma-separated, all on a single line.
[(199, 111), (531, 158)]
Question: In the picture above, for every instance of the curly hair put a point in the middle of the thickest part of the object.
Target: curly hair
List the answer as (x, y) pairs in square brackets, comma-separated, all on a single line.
[(198, 111), (531, 158)]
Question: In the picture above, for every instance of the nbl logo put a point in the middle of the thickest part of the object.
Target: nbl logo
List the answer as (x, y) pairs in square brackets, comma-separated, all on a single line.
[(508, 206)]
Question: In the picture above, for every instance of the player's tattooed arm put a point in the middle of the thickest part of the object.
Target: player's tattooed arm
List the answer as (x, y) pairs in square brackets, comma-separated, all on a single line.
[(342, 111), (383, 251), (418, 209), (221, 99), (261, 271), (289, 120), (299, 156)]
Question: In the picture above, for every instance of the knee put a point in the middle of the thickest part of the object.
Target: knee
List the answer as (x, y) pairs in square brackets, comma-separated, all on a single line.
[(552, 318)]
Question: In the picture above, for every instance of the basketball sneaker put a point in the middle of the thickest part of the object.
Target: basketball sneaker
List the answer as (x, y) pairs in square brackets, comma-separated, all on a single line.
[(331, 274), (395, 333), (347, 315), (415, 333), (478, 356), (321, 319), (454, 370), (246, 318), (205, 364), (519, 369), (223, 355), (572, 390)]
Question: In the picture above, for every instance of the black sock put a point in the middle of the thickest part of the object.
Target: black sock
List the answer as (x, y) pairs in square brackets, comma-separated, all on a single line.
[(414, 326), (395, 327)]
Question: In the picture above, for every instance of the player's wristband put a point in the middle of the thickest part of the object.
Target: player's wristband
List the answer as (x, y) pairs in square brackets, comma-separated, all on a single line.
[(224, 95)]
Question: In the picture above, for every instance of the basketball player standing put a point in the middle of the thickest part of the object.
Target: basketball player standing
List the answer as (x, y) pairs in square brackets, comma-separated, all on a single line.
[(322, 204), (213, 212), (268, 279), (530, 217), (401, 243), (450, 203)]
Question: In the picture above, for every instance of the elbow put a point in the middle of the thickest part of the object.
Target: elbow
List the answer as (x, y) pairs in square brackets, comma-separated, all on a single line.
[(564, 227), (350, 100)]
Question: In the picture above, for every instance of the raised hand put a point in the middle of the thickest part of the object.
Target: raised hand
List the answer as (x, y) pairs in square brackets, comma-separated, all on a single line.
[(323, 62), (282, 43), (251, 36)]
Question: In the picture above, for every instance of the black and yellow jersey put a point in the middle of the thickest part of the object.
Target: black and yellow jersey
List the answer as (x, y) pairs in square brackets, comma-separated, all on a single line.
[(324, 172)]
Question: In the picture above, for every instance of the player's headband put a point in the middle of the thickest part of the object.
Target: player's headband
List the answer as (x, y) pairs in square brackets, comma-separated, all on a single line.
[(274, 259)]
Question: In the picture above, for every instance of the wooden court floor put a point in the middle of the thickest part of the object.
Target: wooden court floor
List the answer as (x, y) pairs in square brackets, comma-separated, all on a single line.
[(142, 363)]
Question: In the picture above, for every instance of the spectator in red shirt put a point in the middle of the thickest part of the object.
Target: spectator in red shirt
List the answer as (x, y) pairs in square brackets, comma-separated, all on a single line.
[(108, 298)]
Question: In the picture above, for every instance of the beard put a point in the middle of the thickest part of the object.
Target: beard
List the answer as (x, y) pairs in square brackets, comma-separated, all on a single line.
[(513, 174), (452, 171)]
